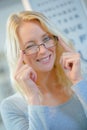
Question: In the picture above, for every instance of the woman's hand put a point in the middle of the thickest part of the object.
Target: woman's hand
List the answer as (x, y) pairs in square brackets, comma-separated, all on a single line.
[(26, 77), (70, 61)]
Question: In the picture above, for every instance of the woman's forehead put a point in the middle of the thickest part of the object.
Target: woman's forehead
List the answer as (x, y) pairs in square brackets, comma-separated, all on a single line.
[(31, 31)]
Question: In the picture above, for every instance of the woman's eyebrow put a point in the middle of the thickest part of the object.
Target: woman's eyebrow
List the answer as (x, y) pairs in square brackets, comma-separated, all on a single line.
[(46, 34), (31, 41)]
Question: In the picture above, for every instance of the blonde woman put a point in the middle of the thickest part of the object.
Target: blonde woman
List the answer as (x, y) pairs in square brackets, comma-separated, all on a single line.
[(46, 71)]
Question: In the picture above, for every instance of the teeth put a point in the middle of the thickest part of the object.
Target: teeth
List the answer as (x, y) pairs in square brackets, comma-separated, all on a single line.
[(45, 59)]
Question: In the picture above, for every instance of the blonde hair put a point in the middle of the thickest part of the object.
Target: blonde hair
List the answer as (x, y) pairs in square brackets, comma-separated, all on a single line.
[(13, 49)]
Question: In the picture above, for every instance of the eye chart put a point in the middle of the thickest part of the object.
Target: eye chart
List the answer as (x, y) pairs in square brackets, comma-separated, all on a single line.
[(70, 17)]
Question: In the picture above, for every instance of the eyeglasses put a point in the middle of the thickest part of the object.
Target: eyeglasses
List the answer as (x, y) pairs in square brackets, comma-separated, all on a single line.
[(32, 48)]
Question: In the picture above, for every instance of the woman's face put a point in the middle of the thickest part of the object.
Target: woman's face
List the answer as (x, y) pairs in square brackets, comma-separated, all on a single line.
[(31, 33)]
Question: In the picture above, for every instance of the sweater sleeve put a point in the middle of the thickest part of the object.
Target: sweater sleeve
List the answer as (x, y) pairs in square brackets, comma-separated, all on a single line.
[(80, 90), (15, 117)]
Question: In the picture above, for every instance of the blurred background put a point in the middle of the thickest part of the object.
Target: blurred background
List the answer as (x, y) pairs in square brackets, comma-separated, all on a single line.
[(7, 8)]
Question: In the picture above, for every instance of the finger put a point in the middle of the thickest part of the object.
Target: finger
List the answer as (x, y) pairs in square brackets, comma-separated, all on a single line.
[(26, 74), (64, 59), (23, 68), (64, 45), (68, 64), (31, 74), (70, 55), (20, 61)]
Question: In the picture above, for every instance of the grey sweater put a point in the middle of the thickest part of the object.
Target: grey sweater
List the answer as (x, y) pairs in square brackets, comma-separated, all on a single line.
[(72, 115)]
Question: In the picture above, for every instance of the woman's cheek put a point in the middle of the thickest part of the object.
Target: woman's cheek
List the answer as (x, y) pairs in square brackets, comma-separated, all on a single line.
[(29, 59)]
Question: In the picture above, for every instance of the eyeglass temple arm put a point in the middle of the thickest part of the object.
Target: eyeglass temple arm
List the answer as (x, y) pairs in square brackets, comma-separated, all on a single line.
[(56, 37), (23, 51)]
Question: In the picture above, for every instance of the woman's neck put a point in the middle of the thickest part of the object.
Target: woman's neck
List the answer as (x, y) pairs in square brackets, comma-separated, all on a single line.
[(47, 81), (52, 93)]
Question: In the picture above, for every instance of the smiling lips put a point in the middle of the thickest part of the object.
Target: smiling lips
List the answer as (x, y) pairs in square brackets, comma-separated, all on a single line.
[(44, 60)]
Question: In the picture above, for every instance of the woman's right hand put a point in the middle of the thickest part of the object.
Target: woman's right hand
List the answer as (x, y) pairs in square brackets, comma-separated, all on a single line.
[(26, 77)]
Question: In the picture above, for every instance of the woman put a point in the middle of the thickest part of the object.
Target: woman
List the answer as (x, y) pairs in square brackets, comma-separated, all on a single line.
[(47, 73)]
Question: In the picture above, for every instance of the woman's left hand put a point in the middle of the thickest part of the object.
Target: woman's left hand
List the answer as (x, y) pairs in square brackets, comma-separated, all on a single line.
[(70, 61)]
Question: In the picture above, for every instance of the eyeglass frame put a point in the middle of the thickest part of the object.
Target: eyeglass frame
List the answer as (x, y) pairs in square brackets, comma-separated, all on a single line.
[(38, 46)]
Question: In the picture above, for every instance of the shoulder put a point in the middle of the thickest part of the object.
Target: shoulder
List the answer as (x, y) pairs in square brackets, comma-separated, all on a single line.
[(13, 103), (14, 112)]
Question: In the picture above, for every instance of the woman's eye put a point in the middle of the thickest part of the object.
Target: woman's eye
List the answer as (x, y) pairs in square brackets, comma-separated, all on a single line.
[(30, 46), (46, 38)]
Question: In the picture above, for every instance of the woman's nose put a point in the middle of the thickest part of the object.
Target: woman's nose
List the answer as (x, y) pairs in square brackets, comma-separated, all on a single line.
[(42, 48)]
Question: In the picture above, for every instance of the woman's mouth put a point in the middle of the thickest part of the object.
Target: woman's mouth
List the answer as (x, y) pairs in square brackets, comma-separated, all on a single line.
[(44, 60)]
